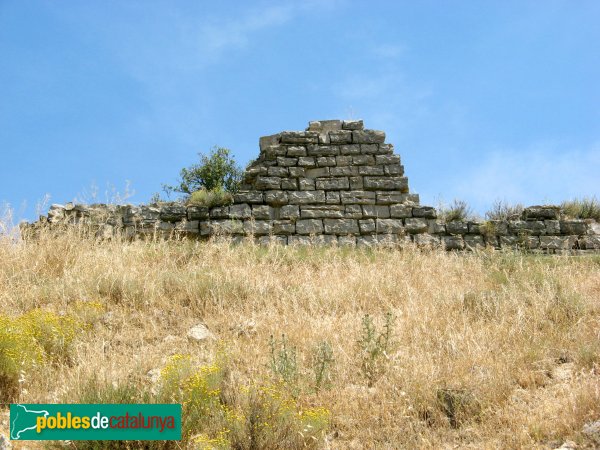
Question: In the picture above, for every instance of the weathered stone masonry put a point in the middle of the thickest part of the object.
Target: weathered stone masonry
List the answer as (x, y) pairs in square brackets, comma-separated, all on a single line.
[(334, 183)]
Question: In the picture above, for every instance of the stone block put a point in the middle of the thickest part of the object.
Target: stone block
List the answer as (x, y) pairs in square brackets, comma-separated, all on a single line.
[(343, 171), (262, 212), (541, 212), (394, 169), (284, 161), (368, 137), (340, 137), (299, 137), (387, 198), (276, 198), (188, 227), (325, 239), (427, 240), (453, 242), (307, 161), (343, 160), (284, 227), (457, 227), (476, 227), (219, 212), (334, 184), (357, 197), (555, 242), (363, 160), (226, 226), (357, 183), (306, 184), (258, 227), (353, 212), (276, 171), (385, 160), (552, 226), (296, 172), (297, 241), (263, 183), (162, 226), (389, 226), (473, 241), (427, 212), (369, 149), (319, 172), (240, 211), (264, 241), (416, 225), (289, 184), (534, 227), (495, 227), (314, 212), (577, 227), (296, 151), (340, 226), (332, 198), (326, 161), (172, 213), (353, 149), (366, 241), (247, 197), (198, 212), (386, 183), (346, 241), (386, 149), (401, 211), (289, 212), (322, 150), (375, 211), (306, 197), (268, 141), (508, 241), (370, 170), (309, 226), (271, 153), (367, 226), (436, 226), (590, 242), (324, 125), (352, 125)]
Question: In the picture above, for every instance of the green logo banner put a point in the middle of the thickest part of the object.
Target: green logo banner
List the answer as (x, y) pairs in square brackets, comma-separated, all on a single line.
[(79, 422)]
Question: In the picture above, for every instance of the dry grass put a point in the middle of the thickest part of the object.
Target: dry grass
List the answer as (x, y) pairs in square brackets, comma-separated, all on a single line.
[(488, 350)]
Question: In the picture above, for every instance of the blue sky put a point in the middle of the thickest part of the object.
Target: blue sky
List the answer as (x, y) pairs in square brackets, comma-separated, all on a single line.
[(483, 100)]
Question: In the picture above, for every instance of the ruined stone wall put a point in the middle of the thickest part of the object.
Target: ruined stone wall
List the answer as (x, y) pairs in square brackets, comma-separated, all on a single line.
[(334, 183)]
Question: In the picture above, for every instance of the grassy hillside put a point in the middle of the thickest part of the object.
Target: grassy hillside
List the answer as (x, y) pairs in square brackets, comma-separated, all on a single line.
[(334, 348)]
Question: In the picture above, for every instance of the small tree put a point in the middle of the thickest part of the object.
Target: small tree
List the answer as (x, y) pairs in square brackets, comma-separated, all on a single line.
[(217, 171)]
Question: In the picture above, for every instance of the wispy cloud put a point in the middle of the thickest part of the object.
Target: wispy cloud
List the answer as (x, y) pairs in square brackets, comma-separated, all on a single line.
[(219, 35), (389, 51)]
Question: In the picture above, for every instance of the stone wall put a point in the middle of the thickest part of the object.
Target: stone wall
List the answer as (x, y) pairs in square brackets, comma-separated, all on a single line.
[(334, 183)]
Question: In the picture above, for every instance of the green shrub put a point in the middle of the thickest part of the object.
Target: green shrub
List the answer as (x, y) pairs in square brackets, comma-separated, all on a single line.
[(284, 363), (216, 171), (216, 197), (504, 211), (322, 362), (374, 347), (584, 208), (459, 210)]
